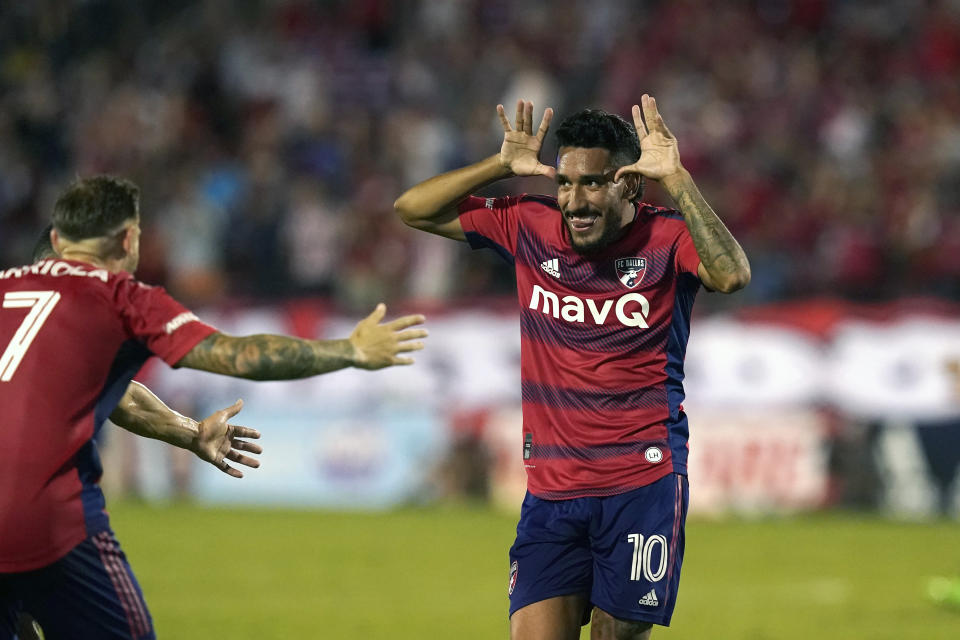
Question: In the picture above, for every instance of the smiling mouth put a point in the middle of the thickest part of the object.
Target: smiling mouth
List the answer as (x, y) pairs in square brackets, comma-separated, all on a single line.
[(582, 223)]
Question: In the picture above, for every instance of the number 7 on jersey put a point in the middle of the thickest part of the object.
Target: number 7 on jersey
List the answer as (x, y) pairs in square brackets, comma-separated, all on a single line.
[(40, 303)]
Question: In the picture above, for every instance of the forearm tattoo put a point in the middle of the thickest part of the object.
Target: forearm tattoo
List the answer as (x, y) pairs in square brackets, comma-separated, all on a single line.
[(268, 357), (720, 253)]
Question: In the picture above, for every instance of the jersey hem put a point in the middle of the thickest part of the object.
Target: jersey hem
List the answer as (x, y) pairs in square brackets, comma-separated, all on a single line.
[(44, 560), (601, 492)]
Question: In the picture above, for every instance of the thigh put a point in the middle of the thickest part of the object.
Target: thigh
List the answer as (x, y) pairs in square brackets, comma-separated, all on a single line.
[(551, 555), (556, 618), (638, 543), (89, 594)]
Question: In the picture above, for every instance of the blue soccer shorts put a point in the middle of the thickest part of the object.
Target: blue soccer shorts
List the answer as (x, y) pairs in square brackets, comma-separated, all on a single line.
[(89, 594), (623, 552)]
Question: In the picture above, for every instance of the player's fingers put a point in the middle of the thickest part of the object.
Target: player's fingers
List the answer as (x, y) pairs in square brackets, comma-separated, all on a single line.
[(412, 334), (405, 321), (519, 120), (650, 114), (544, 124), (503, 118), (244, 432), (239, 458), (638, 122), (528, 118), (404, 347), (243, 445), (230, 471), (402, 361)]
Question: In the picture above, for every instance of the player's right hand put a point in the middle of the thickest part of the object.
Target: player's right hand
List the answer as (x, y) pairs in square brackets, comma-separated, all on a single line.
[(218, 441), (376, 345), (520, 152)]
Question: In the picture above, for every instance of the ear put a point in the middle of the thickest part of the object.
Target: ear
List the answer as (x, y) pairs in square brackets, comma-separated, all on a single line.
[(55, 241), (631, 185), (128, 239)]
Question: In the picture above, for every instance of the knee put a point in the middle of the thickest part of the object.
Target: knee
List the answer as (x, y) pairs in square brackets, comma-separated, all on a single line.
[(604, 626)]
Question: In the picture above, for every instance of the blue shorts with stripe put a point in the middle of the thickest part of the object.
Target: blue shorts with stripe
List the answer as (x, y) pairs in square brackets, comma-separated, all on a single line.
[(623, 552), (89, 594)]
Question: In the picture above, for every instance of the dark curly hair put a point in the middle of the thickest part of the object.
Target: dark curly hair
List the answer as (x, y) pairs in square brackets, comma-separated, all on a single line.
[(597, 128), (95, 207)]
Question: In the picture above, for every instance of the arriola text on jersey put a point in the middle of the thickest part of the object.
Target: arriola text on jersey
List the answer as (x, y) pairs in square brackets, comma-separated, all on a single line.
[(55, 268)]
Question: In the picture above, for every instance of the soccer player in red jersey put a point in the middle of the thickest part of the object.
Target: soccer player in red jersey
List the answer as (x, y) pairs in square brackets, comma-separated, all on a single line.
[(73, 332), (605, 284)]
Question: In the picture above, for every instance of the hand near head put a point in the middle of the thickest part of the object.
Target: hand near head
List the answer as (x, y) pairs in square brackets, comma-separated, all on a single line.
[(218, 441), (659, 156), (520, 152), (376, 345)]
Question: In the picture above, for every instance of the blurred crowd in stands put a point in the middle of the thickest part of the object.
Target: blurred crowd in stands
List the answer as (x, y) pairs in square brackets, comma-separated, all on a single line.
[(270, 137)]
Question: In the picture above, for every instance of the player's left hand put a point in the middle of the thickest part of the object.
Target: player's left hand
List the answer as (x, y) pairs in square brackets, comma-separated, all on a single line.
[(376, 345), (659, 156), (219, 441)]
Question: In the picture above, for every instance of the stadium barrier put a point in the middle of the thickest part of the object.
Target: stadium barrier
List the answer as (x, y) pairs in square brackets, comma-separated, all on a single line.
[(792, 407)]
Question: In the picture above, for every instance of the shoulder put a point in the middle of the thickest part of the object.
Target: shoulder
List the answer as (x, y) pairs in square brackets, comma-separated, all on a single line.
[(536, 202), (659, 213)]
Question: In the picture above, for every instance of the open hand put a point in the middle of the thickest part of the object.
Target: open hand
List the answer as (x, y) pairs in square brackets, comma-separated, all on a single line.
[(520, 152), (659, 156), (376, 345), (218, 441)]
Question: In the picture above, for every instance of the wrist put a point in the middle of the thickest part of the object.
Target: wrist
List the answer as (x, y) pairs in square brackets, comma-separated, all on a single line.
[(500, 168), (188, 433), (677, 181)]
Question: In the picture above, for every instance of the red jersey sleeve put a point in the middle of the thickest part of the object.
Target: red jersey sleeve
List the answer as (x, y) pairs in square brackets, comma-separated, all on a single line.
[(686, 258), (152, 316), (491, 223)]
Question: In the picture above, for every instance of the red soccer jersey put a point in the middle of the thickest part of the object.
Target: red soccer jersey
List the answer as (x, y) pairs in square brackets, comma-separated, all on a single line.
[(603, 338), (71, 339)]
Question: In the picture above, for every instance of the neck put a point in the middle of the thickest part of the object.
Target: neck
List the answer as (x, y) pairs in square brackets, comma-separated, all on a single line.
[(81, 255)]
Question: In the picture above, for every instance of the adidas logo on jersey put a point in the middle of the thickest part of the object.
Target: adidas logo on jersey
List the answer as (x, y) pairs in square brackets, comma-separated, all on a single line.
[(551, 266), (650, 600)]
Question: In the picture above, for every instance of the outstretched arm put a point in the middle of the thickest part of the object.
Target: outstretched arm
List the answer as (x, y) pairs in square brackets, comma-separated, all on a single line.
[(213, 439), (432, 205), (271, 357), (723, 263)]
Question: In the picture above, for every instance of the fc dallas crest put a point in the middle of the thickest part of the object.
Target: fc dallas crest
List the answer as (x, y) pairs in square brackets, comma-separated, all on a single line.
[(631, 270)]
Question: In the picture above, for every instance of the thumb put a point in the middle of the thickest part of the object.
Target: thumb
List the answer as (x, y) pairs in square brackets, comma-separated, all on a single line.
[(622, 171), (546, 170), (377, 315), (233, 409)]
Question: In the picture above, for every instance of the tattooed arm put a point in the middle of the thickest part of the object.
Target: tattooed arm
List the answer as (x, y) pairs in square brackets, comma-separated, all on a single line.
[(271, 357), (723, 264)]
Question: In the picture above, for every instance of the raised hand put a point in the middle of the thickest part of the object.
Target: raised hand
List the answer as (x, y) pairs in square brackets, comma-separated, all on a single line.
[(659, 156), (376, 345), (218, 441), (520, 152)]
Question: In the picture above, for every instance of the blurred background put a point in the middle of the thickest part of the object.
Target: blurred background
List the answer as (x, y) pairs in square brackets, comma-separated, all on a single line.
[(270, 138)]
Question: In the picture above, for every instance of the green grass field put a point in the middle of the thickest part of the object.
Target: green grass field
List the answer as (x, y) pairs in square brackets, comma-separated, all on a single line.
[(442, 573)]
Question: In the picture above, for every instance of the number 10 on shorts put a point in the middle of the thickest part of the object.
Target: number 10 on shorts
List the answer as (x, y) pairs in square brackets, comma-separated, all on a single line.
[(643, 557)]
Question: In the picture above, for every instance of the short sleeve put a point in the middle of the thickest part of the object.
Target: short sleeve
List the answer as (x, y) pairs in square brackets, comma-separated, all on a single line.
[(686, 258), (491, 223), (150, 315)]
